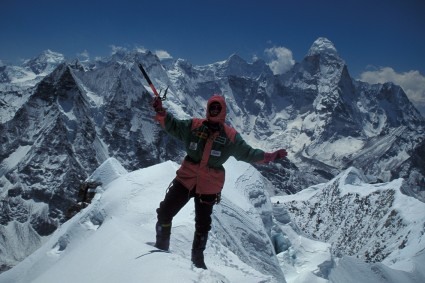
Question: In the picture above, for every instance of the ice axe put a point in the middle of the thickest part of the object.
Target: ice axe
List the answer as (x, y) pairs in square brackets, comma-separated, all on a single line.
[(151, 84)]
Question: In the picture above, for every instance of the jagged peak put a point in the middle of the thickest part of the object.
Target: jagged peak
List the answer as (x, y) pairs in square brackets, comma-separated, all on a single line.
[(235, 58), (182, 63), (322, 45), (47, 56), (52, 56), (46, 62)]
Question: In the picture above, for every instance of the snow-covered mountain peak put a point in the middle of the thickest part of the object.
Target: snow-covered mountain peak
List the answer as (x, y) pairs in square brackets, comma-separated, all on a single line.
[(237, 66), (322, 45), (235, 59), (51, 56), (321, 69), (45, 63)]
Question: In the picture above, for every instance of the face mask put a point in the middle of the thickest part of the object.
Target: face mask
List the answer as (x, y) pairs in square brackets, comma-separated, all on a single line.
[(214, 109)]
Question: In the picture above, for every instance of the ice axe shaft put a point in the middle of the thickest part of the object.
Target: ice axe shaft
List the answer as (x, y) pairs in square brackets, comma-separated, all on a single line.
[(151, 84), (148, 80)]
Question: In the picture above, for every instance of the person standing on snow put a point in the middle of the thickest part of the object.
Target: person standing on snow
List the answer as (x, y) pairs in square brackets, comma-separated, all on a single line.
[(209, 143)]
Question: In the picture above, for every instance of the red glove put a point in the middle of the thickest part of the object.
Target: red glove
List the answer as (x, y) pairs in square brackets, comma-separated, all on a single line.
[(157, 105), (272, 156)]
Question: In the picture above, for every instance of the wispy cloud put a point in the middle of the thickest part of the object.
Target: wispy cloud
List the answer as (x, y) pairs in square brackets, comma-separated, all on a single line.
[(83, 56), (118, 49), (280, 59), (140, 49), (412, 82), (162, 54)]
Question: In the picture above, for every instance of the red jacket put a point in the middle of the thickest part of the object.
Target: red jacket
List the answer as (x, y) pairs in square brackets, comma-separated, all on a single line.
[(207, 150)]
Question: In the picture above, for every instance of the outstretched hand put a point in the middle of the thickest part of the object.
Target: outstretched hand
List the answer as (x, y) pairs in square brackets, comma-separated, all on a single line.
[(272, 156)]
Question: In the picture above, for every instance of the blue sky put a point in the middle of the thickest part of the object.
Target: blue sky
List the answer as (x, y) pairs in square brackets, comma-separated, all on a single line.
[(379, 40)]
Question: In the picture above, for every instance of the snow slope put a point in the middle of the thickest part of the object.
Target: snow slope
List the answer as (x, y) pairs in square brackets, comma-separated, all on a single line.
[(254, 238), (106, 242)]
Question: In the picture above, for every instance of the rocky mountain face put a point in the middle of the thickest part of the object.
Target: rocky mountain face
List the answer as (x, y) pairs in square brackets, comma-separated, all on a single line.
[(372, 222), (413, 170), (57, 129), (17, 82)]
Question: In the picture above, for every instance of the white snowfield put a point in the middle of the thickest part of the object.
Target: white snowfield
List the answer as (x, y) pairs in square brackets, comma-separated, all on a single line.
[(106, 242)]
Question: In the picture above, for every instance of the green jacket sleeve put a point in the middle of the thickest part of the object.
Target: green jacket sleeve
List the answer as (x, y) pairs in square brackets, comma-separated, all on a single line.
[(244, 152), (177, 128)]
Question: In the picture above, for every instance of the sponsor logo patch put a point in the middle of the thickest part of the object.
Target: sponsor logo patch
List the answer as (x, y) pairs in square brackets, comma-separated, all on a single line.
[(193, 146), (216, 153), (220, 140)]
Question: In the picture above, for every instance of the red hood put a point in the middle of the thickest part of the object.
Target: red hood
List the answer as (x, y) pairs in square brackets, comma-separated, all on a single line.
[(221, 117)]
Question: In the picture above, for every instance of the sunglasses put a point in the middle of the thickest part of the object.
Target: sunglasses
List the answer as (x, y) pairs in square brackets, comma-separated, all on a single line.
[(215, 107)]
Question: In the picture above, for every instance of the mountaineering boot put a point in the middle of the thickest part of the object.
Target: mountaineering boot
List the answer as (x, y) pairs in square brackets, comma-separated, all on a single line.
[(198, 247), (163, 232)]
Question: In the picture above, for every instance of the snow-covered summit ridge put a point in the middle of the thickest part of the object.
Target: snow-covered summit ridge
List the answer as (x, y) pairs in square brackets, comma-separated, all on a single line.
[(108, 171), (322, 45), (50, 56), (234, 66), (106, 242)]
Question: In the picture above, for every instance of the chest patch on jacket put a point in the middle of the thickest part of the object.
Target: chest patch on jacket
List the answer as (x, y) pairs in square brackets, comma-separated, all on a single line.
[(193, 146), (216, 153), (202, 135), (220, 140)]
